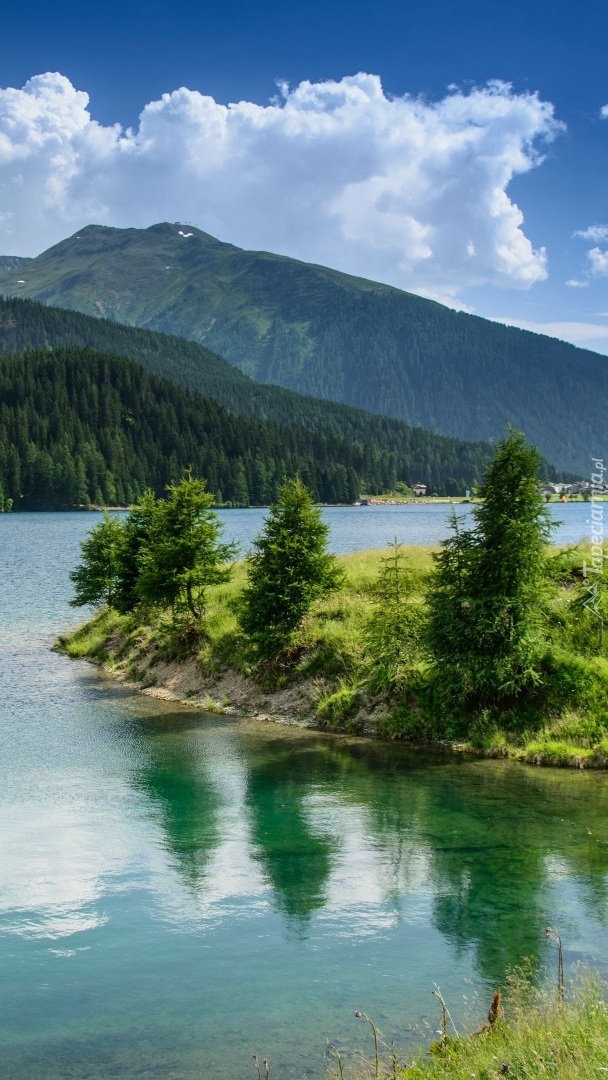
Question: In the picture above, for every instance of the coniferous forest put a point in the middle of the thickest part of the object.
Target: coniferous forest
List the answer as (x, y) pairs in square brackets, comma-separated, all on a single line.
[(26, 325), (78, 427), (93, 413)]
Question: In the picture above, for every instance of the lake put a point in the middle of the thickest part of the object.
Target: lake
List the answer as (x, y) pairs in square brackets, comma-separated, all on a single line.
[(179, 890)]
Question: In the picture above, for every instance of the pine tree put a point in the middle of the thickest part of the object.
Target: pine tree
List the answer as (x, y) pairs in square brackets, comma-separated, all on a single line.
[(486, 597), (288, 568), (391, 632), (96, 580), (182, 554)]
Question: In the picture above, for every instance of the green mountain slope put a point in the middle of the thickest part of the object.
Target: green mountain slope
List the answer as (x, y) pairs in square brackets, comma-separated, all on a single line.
[(423, 456), (333, 336), (78, 426)]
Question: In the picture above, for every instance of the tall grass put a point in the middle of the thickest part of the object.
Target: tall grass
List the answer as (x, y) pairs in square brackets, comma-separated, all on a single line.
[(538, 1034)]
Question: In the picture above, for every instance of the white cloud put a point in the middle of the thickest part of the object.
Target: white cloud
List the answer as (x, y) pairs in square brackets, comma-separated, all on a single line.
[(585, 334), (400, 189), (604, 112), (595, 233), (577, 283), (598, 261)]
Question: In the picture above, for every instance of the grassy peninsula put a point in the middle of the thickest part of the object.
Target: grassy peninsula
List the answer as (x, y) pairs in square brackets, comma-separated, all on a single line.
[(494, 642), (324, 678)]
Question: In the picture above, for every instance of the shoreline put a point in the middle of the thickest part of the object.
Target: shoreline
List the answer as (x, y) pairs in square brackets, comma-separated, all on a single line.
[(233, 694)]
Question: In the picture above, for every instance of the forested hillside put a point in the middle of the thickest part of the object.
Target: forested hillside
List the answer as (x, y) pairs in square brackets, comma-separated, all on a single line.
[(334, 336), (28, 325), (80, 427)]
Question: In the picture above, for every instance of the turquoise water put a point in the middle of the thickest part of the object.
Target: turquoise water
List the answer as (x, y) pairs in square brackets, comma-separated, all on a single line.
[(178, 891)]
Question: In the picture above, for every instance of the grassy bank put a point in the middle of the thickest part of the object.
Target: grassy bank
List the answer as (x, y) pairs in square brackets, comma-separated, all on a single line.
[(328, 677), (536, 1035)]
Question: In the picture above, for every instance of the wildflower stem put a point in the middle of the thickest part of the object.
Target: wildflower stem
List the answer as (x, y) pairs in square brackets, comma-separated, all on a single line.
[(553, 934), (364, 1016), (445, 1014)]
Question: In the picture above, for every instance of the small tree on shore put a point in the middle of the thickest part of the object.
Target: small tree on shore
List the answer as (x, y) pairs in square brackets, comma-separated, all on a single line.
[(181, 554), (97, 578), (288, 569), (136, 531), (166, 552), (391, 632), (487, 595)]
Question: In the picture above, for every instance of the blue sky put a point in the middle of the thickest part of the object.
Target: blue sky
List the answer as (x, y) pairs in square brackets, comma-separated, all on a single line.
[(415, 178)]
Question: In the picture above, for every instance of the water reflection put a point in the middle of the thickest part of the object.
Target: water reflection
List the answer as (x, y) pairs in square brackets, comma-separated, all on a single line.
[(187, 803), (258, 873), (296, 856), (501, 843), (363, 838)]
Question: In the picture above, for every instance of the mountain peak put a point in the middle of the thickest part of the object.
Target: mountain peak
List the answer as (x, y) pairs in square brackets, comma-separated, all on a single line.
[(162, 231), (187, 232)]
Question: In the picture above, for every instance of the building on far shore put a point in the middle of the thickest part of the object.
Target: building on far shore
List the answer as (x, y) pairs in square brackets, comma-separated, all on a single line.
[(579, 488), (419, 489)]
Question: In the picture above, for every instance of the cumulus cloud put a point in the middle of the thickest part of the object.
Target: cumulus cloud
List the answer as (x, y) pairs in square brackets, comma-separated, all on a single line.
[(401, 189), (598, 261), (604, 112), (595, 233), (596, 257)]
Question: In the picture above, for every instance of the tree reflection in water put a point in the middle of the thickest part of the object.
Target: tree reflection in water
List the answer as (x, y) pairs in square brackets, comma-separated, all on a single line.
[(488, 840)]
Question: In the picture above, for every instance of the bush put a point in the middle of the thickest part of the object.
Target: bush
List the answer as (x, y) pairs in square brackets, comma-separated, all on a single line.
[(340, 706)]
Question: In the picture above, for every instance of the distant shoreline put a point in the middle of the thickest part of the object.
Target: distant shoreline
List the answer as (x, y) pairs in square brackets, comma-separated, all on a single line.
[(375, 501)]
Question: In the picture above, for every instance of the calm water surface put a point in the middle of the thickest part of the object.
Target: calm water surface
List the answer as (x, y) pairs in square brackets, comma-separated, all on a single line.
[(180, 890)]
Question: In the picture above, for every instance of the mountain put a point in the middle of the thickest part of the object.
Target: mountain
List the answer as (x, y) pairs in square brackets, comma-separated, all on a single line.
[(9, 263), (447, 465), (80, 427), (333, 336)]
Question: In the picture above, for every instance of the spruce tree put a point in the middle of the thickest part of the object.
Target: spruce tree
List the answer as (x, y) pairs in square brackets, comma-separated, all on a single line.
[(97, 579), (181, 554), (136, 532), (487, 593), (391, 632), (288, 569)]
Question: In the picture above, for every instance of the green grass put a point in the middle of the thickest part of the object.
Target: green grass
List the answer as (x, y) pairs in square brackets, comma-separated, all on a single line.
[(536, 1036), (92, 639)]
